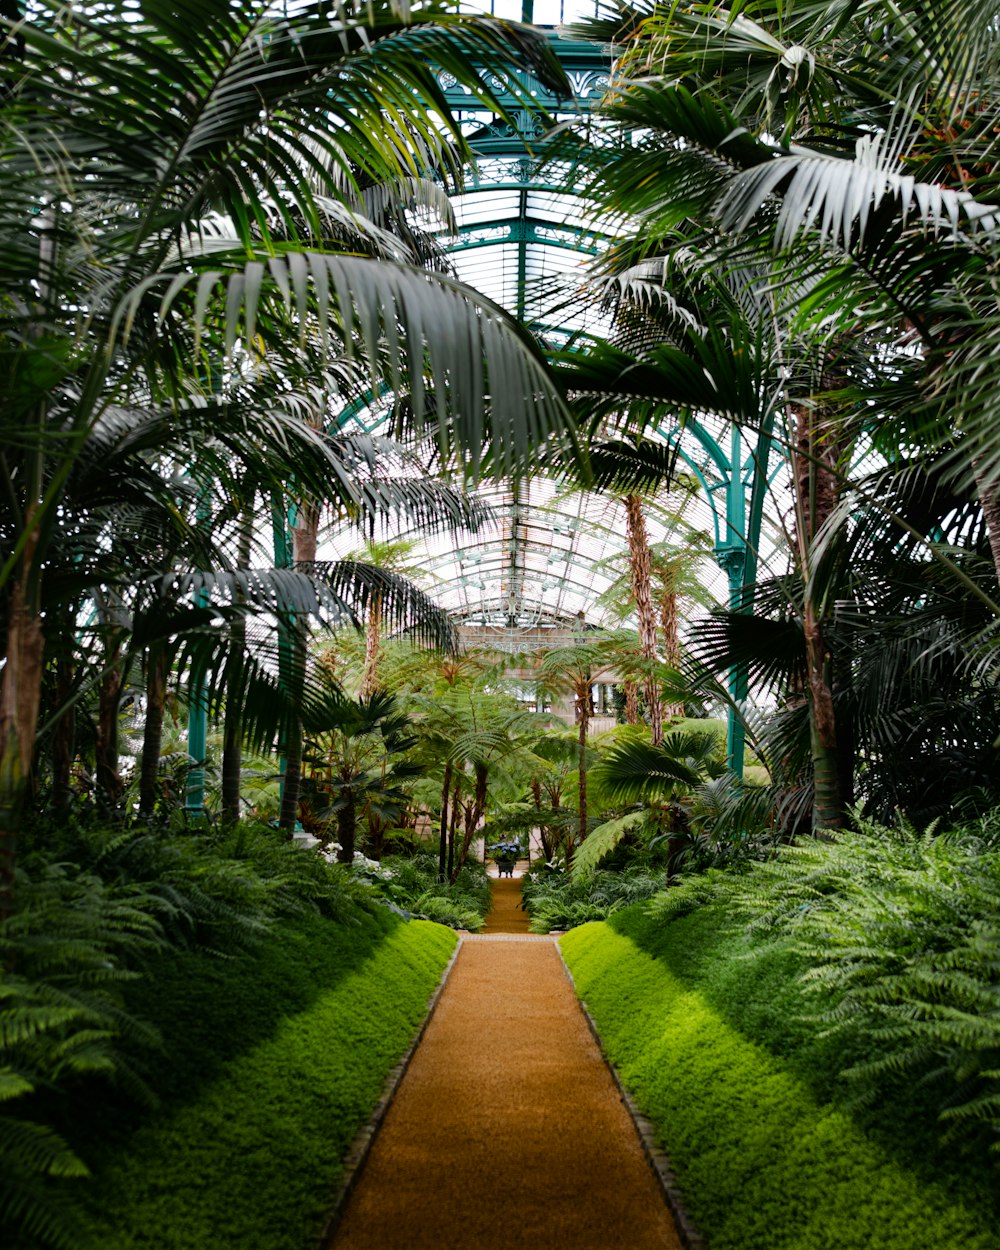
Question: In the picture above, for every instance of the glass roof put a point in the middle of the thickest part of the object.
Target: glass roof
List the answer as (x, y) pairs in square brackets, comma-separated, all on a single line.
[(552, 552)]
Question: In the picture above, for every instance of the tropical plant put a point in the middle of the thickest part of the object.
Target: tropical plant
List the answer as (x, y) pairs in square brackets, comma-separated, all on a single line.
[(355, 756), (848, 189), (218, 119)]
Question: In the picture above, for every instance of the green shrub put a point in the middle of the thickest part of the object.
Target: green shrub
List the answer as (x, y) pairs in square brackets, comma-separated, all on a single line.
[(411, 882), (447, 911), (898, 944), (558, 900), (762, 1163), (103, 920), (251, 1156)]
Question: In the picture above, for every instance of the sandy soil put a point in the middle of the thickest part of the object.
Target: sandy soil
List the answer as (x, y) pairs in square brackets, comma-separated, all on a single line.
[(506, 915), (507, 1131)]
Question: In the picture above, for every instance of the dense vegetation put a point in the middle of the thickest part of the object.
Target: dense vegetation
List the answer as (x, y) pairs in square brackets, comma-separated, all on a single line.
[(248, 1147), (223, 229), (813, 1038), (180, 1000)]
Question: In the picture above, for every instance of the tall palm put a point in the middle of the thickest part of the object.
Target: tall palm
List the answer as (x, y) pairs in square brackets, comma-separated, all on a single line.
[(701, 93), (572, 669), (883, 180), (145, 151)]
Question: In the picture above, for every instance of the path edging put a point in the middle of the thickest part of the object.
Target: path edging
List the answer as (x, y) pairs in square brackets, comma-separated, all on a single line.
[(656, 1156), (364, 1139)]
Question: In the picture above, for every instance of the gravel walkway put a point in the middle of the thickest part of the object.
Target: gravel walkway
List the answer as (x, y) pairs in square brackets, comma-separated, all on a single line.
[(507, 1131)]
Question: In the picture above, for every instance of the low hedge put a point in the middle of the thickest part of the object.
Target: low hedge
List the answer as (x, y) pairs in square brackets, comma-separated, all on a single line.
[(763, 1163), (271, 1066)]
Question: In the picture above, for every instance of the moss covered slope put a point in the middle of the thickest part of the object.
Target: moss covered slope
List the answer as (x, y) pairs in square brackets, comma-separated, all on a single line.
[(763, 1163), (249, 1155)]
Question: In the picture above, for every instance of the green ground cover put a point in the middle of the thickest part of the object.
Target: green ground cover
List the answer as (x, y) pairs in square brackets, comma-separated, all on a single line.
[(715, 1047), (272, 1061)]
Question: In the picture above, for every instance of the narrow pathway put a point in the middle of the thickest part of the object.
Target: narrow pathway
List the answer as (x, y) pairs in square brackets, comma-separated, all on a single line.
[(507, 1132)]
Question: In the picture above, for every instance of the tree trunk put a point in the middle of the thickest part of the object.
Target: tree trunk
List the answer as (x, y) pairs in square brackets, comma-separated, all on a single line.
[(64, 732), (543, 833), (456, 807), (305, 533), (583, 706), (305, 536), (631, 702), (671, 645), (443, 828), (291, 782), (157, 667), (373, 648), (642, 581), (472, 819), (20, 696), (106, 775), (828, 805), (817, 485), (347, 827)]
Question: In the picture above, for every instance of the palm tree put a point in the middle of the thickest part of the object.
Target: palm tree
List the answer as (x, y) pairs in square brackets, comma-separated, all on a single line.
[(145, 154), (881, 185), (355, 755), (717, 196), (572, 669)]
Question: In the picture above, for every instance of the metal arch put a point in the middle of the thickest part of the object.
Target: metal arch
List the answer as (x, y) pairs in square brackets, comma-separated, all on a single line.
[(736, 498)]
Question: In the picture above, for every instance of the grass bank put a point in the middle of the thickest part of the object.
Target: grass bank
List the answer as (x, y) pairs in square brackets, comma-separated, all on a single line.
[(270, 1063), (765, 1162)]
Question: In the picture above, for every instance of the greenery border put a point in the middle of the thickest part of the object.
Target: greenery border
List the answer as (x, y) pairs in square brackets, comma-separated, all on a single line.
[(656, 1156)]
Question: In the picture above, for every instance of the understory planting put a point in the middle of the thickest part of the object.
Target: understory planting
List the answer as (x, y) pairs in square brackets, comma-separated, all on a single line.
[(178, 1001), (814, 1039), (324, 577)]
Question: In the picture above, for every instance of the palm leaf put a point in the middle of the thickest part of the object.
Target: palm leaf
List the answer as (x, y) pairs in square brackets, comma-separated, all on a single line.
[(634, 771)]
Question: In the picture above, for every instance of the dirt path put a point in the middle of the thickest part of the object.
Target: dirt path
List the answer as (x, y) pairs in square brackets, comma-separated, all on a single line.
[(506, 915), (506, 1131)]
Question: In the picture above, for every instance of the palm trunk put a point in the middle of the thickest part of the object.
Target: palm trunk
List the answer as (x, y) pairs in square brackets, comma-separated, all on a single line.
[(631, 702), (583, 703), (64, 733), (828, 805), (305, 533), (152, 737), (20, 697), (347, 827), (543, 833), (640, 566), (443, 828), (817, 486), (456, 807), (472, 819), (305, 537), (671, 645), (106, 775), (373, 647), (291, 782)]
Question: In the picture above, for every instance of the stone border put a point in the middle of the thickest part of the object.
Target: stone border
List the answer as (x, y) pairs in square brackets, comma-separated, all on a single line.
[(656, 1157), (364, 1139)]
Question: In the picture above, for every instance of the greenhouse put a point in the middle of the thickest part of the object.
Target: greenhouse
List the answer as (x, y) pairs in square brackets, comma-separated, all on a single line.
[(500, 580)]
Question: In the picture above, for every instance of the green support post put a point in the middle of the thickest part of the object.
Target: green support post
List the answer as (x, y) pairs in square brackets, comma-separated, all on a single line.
[(197, 742), (282, 517), (732, 559)]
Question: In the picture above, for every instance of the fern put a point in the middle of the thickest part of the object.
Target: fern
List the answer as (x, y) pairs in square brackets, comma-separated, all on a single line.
[(898, 933), (603, 840)]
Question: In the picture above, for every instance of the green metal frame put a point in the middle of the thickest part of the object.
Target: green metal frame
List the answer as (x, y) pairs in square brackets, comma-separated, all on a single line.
[(741, 476), (737, 495)]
